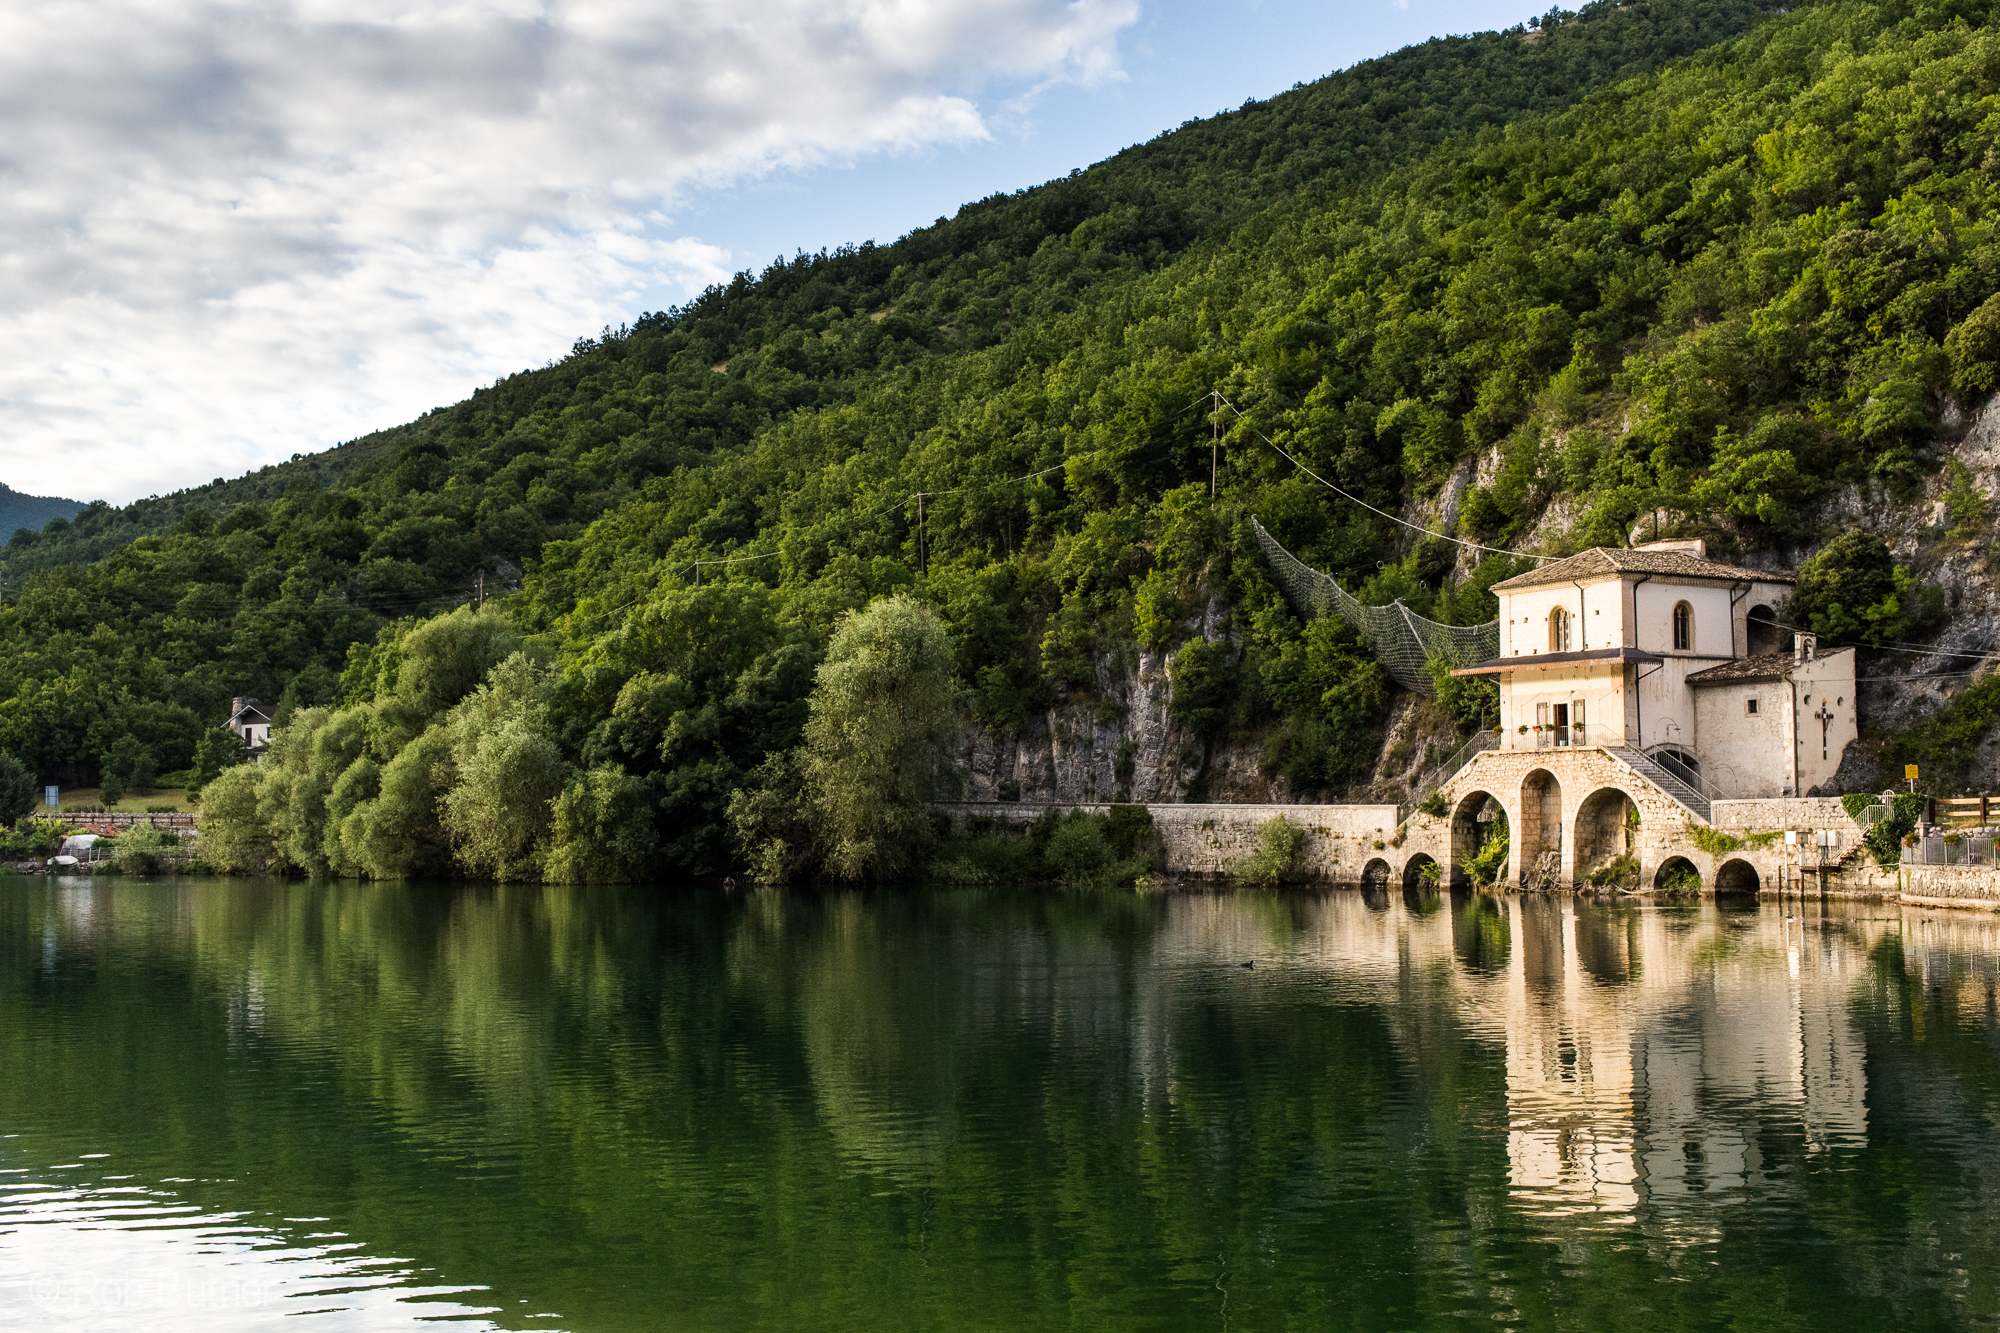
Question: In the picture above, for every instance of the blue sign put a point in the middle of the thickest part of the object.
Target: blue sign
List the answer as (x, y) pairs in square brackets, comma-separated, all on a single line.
[(52, 797)]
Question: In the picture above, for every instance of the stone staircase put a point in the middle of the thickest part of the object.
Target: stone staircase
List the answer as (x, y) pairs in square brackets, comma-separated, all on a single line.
[(1657, 774)]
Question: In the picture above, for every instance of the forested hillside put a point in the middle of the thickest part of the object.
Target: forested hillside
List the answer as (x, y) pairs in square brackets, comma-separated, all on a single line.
[(33, 512), (1756, 283)]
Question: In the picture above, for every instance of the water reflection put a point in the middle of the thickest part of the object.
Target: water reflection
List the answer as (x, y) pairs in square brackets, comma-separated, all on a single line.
[(859, 1110)]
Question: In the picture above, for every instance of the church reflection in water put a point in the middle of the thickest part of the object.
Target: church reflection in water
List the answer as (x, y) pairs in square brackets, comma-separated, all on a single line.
[(1648, 1051)]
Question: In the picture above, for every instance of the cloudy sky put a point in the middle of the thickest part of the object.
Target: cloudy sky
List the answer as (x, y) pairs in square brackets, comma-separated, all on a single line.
[(233, 231)]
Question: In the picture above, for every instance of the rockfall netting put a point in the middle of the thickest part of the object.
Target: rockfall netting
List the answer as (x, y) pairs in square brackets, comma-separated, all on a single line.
[(1404, 641)]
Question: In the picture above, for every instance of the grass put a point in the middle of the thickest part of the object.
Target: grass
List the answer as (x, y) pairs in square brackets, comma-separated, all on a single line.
[(135, 803)]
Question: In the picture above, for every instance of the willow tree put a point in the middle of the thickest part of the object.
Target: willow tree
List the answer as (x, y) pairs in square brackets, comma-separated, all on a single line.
[(880, 738)]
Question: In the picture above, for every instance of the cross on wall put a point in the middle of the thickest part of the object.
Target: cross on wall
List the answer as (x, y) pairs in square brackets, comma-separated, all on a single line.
[(1825, 720)]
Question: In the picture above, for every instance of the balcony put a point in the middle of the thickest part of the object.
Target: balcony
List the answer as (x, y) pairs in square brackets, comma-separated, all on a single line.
[(1546, 737)]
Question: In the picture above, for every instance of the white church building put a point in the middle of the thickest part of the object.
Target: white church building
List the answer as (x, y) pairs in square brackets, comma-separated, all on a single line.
[(1660, 654)]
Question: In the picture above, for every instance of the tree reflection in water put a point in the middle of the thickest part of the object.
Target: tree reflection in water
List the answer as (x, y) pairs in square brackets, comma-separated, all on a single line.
[(1012, 1109)]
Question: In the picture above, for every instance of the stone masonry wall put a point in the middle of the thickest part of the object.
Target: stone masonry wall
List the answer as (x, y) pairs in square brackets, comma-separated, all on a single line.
[(1573, 796), (1951, 886), (1805, 812), (1206, 840)]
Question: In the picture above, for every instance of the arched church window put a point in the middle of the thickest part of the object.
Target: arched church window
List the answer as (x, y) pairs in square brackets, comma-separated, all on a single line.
[(1683, 627), (1559, 631)]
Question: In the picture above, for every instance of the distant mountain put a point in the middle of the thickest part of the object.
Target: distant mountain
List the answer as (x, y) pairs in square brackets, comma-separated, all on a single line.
[(32, 512)]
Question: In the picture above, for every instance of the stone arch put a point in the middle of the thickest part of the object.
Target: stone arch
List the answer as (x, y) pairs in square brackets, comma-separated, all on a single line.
[(1375, 875), (1737, 876), (1604, 835), (1478, 816), (1413, 872), (1762, 634), (1674, 873), (1539, 854)]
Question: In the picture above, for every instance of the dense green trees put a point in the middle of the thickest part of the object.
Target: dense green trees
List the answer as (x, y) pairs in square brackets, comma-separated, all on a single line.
[(1710, 293), (18, 795)]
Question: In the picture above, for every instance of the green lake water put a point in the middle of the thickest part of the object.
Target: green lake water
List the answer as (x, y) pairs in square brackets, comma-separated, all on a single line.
[(233, 1105)]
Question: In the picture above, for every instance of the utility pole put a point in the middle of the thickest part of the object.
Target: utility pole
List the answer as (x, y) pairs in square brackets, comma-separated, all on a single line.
[(920, 532), (482, 589), (1215, 441)]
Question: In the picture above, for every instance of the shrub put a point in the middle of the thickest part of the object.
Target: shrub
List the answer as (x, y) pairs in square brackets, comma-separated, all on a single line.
[(1712, 840), (1855, 802), (1279, 855), (1621, 871), (1885, 840), (1489, 864), (1681, 883), (32, 837), (1081, 850), (1077, 852), (1965, 504), (142, 850), (1433, 805)]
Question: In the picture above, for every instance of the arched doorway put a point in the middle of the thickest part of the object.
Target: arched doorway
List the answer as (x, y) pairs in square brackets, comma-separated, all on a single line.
[(1607, 839), (1678, 875), (1737, 876), (1420, 872), (1541, 830), (1763, 635), (1479, 835)]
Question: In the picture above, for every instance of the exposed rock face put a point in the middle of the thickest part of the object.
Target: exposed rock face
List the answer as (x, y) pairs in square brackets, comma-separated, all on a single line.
[(1121, 746), (1124, 746)]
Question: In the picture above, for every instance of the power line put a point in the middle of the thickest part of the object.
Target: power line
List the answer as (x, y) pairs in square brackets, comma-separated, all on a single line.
[(1913, 649), (1355, 499)]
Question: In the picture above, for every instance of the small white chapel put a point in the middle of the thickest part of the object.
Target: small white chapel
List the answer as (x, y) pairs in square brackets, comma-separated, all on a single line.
[(1659, 652)]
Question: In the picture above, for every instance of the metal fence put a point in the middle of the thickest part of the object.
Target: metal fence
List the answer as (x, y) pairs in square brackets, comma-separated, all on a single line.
[(1405, 642), (1971, 847)]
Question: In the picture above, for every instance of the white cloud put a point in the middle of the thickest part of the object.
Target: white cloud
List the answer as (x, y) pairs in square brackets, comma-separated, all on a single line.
[(231, 231)]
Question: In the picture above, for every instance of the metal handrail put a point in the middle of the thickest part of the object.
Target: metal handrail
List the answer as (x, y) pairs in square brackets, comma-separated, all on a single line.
[(1481, 740), (1442, 773), (1680, 771)]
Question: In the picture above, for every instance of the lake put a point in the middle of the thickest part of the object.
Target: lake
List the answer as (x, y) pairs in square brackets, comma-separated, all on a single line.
[(223, 1103)]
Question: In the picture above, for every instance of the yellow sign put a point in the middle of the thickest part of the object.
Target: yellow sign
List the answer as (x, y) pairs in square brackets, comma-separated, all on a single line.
[(1910, 772)]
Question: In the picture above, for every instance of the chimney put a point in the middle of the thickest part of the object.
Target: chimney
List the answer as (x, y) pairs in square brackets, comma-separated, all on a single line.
[(1805, 647), (1694, 546)]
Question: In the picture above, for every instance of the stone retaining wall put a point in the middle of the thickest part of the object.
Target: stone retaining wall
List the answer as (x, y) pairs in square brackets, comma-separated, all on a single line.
[(114, 823), (1804, 812), (1951, 886), (1208, 840)]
